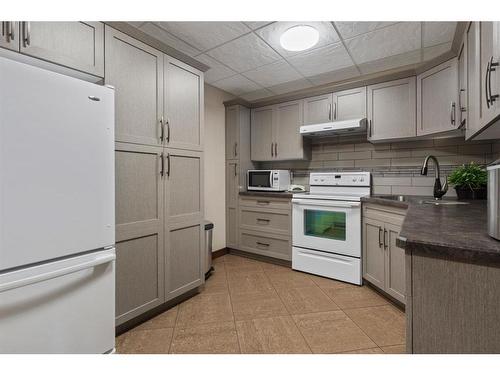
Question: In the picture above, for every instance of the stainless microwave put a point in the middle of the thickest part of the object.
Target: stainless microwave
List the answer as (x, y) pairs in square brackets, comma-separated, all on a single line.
[(268, 180)]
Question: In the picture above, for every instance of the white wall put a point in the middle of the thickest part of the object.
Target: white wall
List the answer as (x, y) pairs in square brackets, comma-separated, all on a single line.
[(215, 162)]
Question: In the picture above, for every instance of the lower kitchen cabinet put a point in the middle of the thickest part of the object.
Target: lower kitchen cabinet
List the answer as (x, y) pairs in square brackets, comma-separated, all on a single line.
[(232, 190), (383, 261), (273, 246), (139, 230)]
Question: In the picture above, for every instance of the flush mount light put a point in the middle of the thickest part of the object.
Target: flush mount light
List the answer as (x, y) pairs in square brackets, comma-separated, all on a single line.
[(299, 38)]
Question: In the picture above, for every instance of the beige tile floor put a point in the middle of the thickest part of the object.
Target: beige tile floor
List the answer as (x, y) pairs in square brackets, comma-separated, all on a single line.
[(249, 306)]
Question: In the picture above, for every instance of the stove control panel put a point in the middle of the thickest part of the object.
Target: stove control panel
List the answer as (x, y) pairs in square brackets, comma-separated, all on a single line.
[(340, 179)]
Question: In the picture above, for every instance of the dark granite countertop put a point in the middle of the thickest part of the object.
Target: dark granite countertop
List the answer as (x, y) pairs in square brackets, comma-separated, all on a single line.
[(275, 194), (459, 232)]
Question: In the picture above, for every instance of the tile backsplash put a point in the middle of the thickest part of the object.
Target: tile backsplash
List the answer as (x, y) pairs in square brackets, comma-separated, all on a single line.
[(395, 167)]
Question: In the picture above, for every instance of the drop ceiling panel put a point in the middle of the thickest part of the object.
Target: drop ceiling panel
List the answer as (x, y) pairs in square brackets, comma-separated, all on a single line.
[(272, 34), (217, 70), (256, 24), (205, 35), (245, 53), (273, 74), (434, 33), (389, 41), (321, 60), (351, 29), (256, 95), (167, 38), (236, 85)]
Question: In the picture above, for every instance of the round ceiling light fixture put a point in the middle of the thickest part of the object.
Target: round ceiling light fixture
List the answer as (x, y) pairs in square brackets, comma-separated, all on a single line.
[(299, 38)]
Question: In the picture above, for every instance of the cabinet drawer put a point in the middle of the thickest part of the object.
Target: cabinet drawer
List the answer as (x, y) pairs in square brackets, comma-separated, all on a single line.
[(392, 215), (265, 220), (265, 202), (271, 246)]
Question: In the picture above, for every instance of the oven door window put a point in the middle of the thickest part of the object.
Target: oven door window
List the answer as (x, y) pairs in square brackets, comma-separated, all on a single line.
[(259, 179), (325, 224)]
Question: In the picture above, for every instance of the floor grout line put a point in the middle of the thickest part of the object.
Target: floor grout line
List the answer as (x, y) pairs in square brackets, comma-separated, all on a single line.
[(232, 309)]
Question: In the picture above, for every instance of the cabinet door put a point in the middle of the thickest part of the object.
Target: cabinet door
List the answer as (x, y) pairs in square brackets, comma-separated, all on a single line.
[(394, 264), (462, 85), (9, 35), (349, 104), (183, 221), (77, 45), (232, 190), (488, 83), (437, 96), (139, 230), (262, 143), (318, 109), (136, 72), (373, 252), (289, 143), (392, 110), (183, 106), (473, 80), (232, 132)]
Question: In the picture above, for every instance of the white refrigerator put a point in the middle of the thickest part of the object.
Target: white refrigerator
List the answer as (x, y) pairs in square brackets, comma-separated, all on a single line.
[(57, 215)]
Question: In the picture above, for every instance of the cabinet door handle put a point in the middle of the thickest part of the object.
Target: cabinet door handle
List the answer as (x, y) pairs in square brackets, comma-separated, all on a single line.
[(276, 149), (486, 85), (452, 114), (168, 165), (3, 27), (329, 112), (168, 130), (334, 111), (379, 239), (493, 66), (272, 149), (370, 128), (26, 33), (385, 239), (235, 149), (162, 161), (11, 32), (235, 170), (162, 130)]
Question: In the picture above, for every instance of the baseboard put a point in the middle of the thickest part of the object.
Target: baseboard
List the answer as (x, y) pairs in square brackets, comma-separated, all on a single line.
[(263, 258), (220, 252), (394, 301)]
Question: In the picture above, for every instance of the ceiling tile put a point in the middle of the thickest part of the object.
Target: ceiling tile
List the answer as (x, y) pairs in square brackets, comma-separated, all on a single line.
[(321, 60), (273, 74), (256, 95), (217, 70), (434, 33), (245, 53), (272, 34), (236, 85), (334, 76), (168, 39), (287, 87), (351, 29), (205, 35), (435, 51), (392, 40), (391, 62), (257, 24), (137, 24)]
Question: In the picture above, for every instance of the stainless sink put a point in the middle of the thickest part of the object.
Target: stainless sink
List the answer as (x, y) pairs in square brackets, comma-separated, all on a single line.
[(399, 198), (444, 203)]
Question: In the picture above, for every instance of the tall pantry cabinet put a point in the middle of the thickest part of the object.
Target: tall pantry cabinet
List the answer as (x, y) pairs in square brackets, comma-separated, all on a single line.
[(159, 174), (237, 164)]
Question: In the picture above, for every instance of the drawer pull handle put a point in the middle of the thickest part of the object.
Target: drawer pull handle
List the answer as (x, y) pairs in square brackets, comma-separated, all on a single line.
[(262, 244), (263, 203), (265, 221)]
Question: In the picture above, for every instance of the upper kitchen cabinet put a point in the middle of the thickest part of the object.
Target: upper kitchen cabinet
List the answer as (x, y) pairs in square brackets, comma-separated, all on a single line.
[(392, 110), (262, 145), (462, 86), (183, 105), (76, 45), (349, 104), (275, 133), (136, 72), (237, 133), (9, 35), (289, 144), (437, 98), (318, 109)]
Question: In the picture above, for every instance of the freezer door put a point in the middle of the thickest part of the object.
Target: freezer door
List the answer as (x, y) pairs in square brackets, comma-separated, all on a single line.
[(56, 165), (67, 306)]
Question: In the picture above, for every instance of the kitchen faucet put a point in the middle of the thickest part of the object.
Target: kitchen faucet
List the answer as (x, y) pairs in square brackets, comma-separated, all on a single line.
[(439, 190)]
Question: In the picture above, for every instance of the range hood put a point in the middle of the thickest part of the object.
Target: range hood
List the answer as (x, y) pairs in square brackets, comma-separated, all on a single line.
[(333, 128)]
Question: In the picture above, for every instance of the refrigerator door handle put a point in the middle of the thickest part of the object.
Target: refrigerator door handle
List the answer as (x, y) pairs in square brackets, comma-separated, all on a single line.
[(57, 273)]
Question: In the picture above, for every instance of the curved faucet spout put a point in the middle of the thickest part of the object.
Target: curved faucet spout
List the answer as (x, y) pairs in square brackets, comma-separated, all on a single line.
[(439, 190)]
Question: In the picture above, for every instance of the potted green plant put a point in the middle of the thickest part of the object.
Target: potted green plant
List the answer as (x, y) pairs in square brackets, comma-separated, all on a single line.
[(470, 181)]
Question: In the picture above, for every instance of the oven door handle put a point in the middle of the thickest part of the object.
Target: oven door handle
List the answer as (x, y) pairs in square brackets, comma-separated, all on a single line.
[(332, 203)]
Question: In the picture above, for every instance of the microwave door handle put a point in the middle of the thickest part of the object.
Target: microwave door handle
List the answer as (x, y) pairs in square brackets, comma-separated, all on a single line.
[(270, 179)]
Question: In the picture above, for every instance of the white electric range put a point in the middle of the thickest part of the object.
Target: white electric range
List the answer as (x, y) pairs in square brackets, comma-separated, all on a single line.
[(326, 229)]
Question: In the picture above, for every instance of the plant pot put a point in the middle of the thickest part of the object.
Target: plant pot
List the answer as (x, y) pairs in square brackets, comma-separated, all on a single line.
[(464, 192)]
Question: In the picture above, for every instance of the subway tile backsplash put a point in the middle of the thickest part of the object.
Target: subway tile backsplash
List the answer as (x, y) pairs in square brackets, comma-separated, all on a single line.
[(395, 167)]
